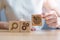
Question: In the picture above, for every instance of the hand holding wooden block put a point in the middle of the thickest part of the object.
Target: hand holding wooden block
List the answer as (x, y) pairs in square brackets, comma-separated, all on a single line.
[(25, 26), (36, 20), (14, 26)]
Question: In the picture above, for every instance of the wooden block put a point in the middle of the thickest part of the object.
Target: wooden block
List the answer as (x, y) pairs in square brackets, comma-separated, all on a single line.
[(25, 26), (36, 20), (14, 26)]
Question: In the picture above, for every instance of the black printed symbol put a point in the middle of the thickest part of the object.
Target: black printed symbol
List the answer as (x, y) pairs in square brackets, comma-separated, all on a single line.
[(25, 25), (14, 26), (36, 19)]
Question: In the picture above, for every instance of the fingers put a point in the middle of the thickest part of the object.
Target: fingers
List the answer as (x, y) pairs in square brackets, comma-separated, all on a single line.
[(50, 16), (53, 24), (43, 15), (51, 20)]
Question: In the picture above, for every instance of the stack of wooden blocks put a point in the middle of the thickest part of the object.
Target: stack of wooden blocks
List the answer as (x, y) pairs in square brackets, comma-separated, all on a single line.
[(19, 26), (25, 26)]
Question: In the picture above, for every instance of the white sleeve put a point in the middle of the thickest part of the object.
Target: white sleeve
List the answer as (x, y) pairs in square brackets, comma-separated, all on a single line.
[(53, 4), (37, 4)]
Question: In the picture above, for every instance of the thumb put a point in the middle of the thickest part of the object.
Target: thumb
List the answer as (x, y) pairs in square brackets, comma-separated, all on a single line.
[(43, 15)]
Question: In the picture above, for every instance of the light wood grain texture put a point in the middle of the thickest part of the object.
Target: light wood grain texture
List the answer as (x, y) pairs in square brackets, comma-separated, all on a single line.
[(14, 26), (25, 26), (41, 35)]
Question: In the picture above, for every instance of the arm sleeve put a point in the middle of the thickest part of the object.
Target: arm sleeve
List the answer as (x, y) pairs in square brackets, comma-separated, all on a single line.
[(37, 4), (53, 4)]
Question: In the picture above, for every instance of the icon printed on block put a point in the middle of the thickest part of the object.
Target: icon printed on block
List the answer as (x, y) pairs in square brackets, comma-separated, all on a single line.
[(14, 26), (25, 26), (36, 20)]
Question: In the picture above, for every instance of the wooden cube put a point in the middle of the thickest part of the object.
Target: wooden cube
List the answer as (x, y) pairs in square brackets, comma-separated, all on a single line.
[(14, 26), (25, 26), (36, 20)]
